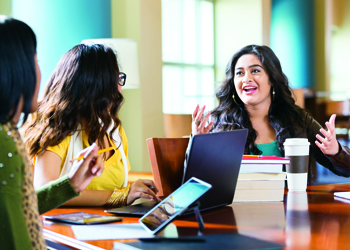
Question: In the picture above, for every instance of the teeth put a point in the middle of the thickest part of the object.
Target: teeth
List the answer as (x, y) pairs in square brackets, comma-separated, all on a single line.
[(247, 88)]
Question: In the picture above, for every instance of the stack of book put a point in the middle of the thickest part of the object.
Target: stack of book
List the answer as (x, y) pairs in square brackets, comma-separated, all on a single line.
[(261, 179)]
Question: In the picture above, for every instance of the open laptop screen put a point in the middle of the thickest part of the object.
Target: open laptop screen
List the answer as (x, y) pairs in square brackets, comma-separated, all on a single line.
[(216, 158)]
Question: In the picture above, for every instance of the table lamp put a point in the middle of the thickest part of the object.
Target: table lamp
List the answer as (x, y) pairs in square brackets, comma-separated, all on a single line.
[(127, 57)]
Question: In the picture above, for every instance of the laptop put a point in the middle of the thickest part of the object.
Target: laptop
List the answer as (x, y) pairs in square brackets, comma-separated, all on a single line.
[(214, 158)]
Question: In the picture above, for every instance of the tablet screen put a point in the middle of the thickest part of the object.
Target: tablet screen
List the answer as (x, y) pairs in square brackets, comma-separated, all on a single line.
[(174, 204)]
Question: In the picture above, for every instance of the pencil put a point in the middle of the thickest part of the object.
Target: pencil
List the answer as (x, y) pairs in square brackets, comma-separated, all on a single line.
[(105, 150), (255, 156), (99, 152)]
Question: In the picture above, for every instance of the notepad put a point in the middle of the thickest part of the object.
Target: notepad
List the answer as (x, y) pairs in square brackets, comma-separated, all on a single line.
[(110, 232), (345, 195)]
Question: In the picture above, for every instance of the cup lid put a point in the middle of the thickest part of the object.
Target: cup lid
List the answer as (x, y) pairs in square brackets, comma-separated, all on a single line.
[(296, 141)]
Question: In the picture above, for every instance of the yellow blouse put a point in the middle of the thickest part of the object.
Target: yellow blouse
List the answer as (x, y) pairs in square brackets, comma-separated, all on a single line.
[(113, 174)]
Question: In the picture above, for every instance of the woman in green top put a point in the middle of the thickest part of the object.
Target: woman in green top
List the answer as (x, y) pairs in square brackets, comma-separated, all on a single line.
[(20, 205), (256, 96)]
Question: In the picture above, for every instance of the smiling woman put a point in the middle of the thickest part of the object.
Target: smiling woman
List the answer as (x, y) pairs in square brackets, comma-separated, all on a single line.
[(252, 82), (256, 95)]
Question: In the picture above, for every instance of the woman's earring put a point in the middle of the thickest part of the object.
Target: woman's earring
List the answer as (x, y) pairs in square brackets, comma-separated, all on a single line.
[(273, 93), (233, 97)]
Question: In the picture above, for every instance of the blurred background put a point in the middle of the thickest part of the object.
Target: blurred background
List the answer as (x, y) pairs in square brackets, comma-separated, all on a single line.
[(185, 45)]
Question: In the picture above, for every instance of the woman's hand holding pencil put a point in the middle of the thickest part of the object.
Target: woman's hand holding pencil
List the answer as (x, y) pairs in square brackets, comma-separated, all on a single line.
[(98, 152), (88, 166)]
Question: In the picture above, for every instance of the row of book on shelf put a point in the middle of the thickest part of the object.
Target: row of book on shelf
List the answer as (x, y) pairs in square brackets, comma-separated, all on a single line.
[(261, 179)]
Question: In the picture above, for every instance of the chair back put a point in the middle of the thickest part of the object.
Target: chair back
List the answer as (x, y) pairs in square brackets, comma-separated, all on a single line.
[(342, 122), (176, 125), (299, 97), (340, 108), (167, 157)]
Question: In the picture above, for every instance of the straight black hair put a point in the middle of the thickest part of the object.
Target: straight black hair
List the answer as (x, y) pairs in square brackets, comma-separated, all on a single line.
[(17, 67)]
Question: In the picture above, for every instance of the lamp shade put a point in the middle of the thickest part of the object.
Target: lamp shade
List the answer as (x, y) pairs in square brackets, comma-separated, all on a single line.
[(127, 57)]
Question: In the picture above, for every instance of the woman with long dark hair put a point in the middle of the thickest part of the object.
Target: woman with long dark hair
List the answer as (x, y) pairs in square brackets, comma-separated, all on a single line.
[(80, 106), (256, 95), (20, 205)]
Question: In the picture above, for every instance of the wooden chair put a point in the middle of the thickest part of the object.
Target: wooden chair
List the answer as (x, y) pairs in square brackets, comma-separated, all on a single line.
[(298, 95), (177, 125), (342, 110), (167, 157)]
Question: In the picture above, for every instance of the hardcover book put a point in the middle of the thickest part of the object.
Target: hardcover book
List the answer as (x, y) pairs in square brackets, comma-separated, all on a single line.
[(267, 164), (260, 187)]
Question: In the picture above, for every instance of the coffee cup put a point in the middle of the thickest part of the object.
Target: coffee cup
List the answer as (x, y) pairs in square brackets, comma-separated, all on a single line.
[(297, 150)]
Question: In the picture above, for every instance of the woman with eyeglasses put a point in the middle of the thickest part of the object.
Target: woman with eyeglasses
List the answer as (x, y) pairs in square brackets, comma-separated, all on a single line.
[(80, 106)]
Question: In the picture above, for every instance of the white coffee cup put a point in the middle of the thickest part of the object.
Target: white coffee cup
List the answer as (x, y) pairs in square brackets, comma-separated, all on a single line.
[(297, 150)]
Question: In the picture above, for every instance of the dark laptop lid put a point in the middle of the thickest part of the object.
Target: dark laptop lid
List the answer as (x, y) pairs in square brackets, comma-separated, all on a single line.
[(216, 158)]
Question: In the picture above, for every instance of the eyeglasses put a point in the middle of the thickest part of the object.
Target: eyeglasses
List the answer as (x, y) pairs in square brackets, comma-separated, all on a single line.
[(122, 79)]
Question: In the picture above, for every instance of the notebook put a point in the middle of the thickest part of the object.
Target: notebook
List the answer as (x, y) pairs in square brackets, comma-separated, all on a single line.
[(214, 158)]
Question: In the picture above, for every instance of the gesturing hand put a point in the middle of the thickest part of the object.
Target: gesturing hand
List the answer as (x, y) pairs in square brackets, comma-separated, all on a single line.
[(199, 121), (84, 170), (329, 144), (142, 189)]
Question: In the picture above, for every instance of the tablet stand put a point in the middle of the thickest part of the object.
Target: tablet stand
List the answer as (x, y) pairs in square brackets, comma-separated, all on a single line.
[(198, 215), (195, 209)]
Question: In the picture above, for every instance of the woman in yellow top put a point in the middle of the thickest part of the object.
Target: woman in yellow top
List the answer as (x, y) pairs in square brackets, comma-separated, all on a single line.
[(80, 106)]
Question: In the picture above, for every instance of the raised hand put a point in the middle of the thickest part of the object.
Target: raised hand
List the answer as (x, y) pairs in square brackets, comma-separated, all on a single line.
[(329, 144), (84, 170), (199, 121), (143, 189)]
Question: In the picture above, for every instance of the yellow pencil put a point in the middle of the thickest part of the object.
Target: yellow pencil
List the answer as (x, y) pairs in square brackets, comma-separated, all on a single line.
[(255, 156), (99, 152)]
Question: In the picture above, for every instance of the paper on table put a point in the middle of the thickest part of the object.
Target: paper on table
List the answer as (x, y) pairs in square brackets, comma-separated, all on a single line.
[(345, 195), (111, 232)]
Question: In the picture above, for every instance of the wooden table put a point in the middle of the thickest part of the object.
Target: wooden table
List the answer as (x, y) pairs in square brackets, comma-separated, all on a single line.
[(312, 220)]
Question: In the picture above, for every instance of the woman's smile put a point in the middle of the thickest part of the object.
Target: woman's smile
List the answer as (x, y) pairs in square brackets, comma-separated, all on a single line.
[(249, 89)]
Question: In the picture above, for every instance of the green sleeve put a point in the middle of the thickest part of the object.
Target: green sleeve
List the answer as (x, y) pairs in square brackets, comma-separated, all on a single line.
[(13, 227), (13, 231), (54, 194)]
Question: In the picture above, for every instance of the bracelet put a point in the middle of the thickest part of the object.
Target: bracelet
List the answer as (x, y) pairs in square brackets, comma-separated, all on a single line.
[(118, 197)]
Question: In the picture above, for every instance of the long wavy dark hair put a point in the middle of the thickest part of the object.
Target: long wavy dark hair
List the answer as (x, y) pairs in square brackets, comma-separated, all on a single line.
[(284, 116), (83, 87)]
